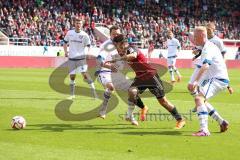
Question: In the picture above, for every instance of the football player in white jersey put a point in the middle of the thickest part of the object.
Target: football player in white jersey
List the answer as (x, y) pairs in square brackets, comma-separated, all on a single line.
[(78, 40), (110, 77), (214, 38), (211, 78), (173, 49)]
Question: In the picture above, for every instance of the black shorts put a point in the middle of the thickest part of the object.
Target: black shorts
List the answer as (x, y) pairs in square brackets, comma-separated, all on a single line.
[(154, 85)]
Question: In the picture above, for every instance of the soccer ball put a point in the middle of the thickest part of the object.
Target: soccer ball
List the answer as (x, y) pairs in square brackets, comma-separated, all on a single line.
[(18, 122)]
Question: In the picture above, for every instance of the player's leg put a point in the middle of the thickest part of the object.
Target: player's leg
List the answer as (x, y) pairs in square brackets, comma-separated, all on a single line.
[(176, 70), (202, 116), (109, 88), (217, 117), (72, 75), (132, 94), (158, 91), (214, 88), (72, 86), (193, 91), (89, 80), (170, 69), (206, 90), (121, 82)]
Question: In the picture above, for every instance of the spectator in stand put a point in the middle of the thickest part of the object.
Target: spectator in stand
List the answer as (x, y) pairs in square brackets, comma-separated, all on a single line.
[(44, 20)]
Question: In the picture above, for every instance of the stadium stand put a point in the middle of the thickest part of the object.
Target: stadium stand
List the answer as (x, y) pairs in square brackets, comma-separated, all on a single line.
[(45, 22)]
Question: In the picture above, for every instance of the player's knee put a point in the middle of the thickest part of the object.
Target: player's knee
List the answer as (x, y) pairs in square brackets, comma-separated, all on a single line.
[(72, 77), (163, 101), (85, 76), (132, 92), (199, 100), (110, 86), (189, 87)]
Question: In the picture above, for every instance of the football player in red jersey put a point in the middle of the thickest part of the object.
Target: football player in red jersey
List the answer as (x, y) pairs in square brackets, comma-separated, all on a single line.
[(146, 78)]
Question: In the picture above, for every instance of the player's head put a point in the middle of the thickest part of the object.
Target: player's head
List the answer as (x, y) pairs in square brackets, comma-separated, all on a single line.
[(200, 35), (170, 34), (210, 30), (121, 44), (114, 31), (78, 23)]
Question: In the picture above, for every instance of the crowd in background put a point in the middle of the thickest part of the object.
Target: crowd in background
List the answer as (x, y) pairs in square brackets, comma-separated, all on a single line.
[(45, 22)]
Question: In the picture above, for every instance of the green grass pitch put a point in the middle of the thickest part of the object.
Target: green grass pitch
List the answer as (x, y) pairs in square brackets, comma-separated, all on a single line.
[(26, 92)]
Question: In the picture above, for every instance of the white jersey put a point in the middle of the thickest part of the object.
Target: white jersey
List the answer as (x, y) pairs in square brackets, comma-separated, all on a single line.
[(217, 67), (218, 42), (77, 43), (173, 45), (108, 52)]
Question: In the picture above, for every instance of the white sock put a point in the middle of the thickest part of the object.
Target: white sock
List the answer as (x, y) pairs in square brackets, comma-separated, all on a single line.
[(213, 113), (107, 96), (172, 74), (72, 87), (203, 117), (131, 108), (177, 72)]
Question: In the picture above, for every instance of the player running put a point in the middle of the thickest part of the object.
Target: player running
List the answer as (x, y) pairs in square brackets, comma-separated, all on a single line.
[(78, 40), (110, 77), (146, 78), (211, 78), (173, 48)]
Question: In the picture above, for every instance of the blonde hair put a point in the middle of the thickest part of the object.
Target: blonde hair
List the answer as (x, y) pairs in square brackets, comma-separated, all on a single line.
[(211, 25), (200, 29)]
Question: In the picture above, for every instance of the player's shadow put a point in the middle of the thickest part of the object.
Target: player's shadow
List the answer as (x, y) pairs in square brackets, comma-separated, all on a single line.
[(29, 98), (168, 133), (75, 127)]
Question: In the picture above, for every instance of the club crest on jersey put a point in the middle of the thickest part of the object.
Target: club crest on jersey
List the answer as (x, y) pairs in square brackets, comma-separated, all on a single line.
[(80, 37)]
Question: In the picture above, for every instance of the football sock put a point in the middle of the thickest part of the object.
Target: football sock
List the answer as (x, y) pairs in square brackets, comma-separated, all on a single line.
[(213, 113), (203, 117), (171, 74), (131, 108), (175, 114), (139, 102), (72, 87)]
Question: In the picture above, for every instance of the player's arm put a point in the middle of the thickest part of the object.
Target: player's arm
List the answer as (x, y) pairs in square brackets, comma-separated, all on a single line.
[(65, 45), (230, 89), (108, 65), (178, 46), (87, 43), (130, 55), (206, 62), (203, 69)]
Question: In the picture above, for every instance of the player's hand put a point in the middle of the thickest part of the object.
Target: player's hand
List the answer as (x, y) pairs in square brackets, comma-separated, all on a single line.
[(114, 68), (193, 86), (66, 54), (230, 90)]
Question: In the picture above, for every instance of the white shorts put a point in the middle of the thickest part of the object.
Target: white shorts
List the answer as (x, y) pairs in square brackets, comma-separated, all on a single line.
[(171, 61), (77, 66), (119, 81), (210, 87)]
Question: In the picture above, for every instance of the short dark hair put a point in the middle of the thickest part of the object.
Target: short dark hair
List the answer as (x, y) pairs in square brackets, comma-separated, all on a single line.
[(114, 28), (119, 38), (77, 19)]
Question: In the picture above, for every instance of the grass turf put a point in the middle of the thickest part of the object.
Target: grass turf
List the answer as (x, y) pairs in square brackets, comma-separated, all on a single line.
[(26, 92)]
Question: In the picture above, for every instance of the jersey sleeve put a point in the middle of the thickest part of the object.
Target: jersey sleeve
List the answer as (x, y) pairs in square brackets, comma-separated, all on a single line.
[(66, 38), (178, 44), (222, 47), (87, 40), (206, 57)]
